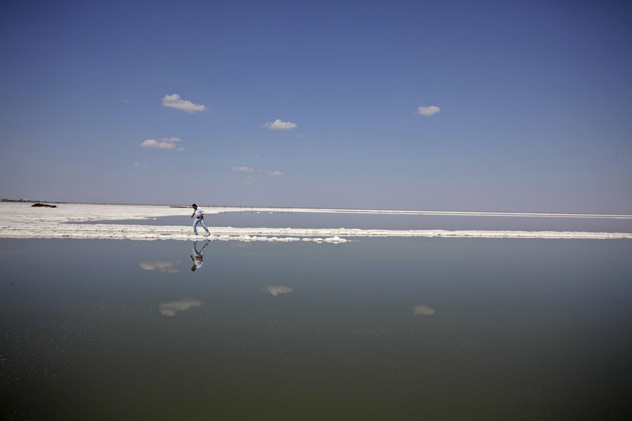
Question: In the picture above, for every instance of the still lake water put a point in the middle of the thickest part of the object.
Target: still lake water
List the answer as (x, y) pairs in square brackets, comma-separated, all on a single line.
[(401, 329), (315, 220)]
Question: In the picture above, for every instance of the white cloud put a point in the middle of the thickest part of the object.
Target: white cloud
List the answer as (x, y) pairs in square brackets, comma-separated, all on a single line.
[(245, 179), (248, 177), (280, 125), (273, 173), (242, 169), (277, 289), (136, 164), (428, 111), (166, 143), (161, 266), (154, 144), (174, 101), (423, 310), (170, 309)]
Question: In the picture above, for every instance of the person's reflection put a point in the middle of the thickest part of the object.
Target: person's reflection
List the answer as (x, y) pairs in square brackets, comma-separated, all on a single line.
[(198, 260)]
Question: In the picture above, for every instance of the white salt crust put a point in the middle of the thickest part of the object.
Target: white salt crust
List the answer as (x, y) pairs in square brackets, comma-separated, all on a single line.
[(20, 220)]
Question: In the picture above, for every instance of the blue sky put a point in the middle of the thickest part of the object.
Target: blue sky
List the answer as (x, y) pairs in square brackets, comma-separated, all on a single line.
[(289, 103)]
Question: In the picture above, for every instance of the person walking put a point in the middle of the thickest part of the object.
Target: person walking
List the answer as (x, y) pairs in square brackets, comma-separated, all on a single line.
[(198, 213)]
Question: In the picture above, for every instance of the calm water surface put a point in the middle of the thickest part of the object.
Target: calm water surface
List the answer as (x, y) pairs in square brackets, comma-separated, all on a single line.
[(249, 219), (371, 329)]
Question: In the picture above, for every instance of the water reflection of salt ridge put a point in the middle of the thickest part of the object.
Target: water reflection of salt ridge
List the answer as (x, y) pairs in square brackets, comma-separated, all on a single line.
[(170, 309)]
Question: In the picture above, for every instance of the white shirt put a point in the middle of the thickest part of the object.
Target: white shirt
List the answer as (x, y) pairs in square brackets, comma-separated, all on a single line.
[(199, 212)]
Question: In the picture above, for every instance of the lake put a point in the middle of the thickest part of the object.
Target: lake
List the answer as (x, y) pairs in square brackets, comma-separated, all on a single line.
[(248, 219), (391, 328)]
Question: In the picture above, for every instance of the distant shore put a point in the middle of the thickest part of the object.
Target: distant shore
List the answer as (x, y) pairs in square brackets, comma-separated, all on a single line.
[(240, 208)]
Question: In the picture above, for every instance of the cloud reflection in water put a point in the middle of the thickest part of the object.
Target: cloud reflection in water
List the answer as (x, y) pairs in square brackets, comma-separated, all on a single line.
[(423, 310), (161, 266), (277, 289), (170, 309)]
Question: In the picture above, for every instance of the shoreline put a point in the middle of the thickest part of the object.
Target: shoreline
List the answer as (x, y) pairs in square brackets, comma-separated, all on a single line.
[(242, 208), (20, 220)]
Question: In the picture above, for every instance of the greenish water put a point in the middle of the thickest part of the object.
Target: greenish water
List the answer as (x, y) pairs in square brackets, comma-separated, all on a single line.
[(372, 329)]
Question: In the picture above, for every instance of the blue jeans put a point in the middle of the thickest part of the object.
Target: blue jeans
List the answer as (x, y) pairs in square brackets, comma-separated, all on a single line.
[(197, 221)]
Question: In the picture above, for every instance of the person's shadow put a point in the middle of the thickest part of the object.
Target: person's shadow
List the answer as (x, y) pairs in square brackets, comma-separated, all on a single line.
[(198, 260)]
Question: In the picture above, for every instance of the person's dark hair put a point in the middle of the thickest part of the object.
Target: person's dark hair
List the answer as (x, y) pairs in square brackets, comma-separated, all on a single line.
[(194, 205)]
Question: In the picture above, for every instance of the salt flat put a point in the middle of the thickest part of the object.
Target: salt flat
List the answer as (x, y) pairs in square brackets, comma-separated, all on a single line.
[(21, 220)]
